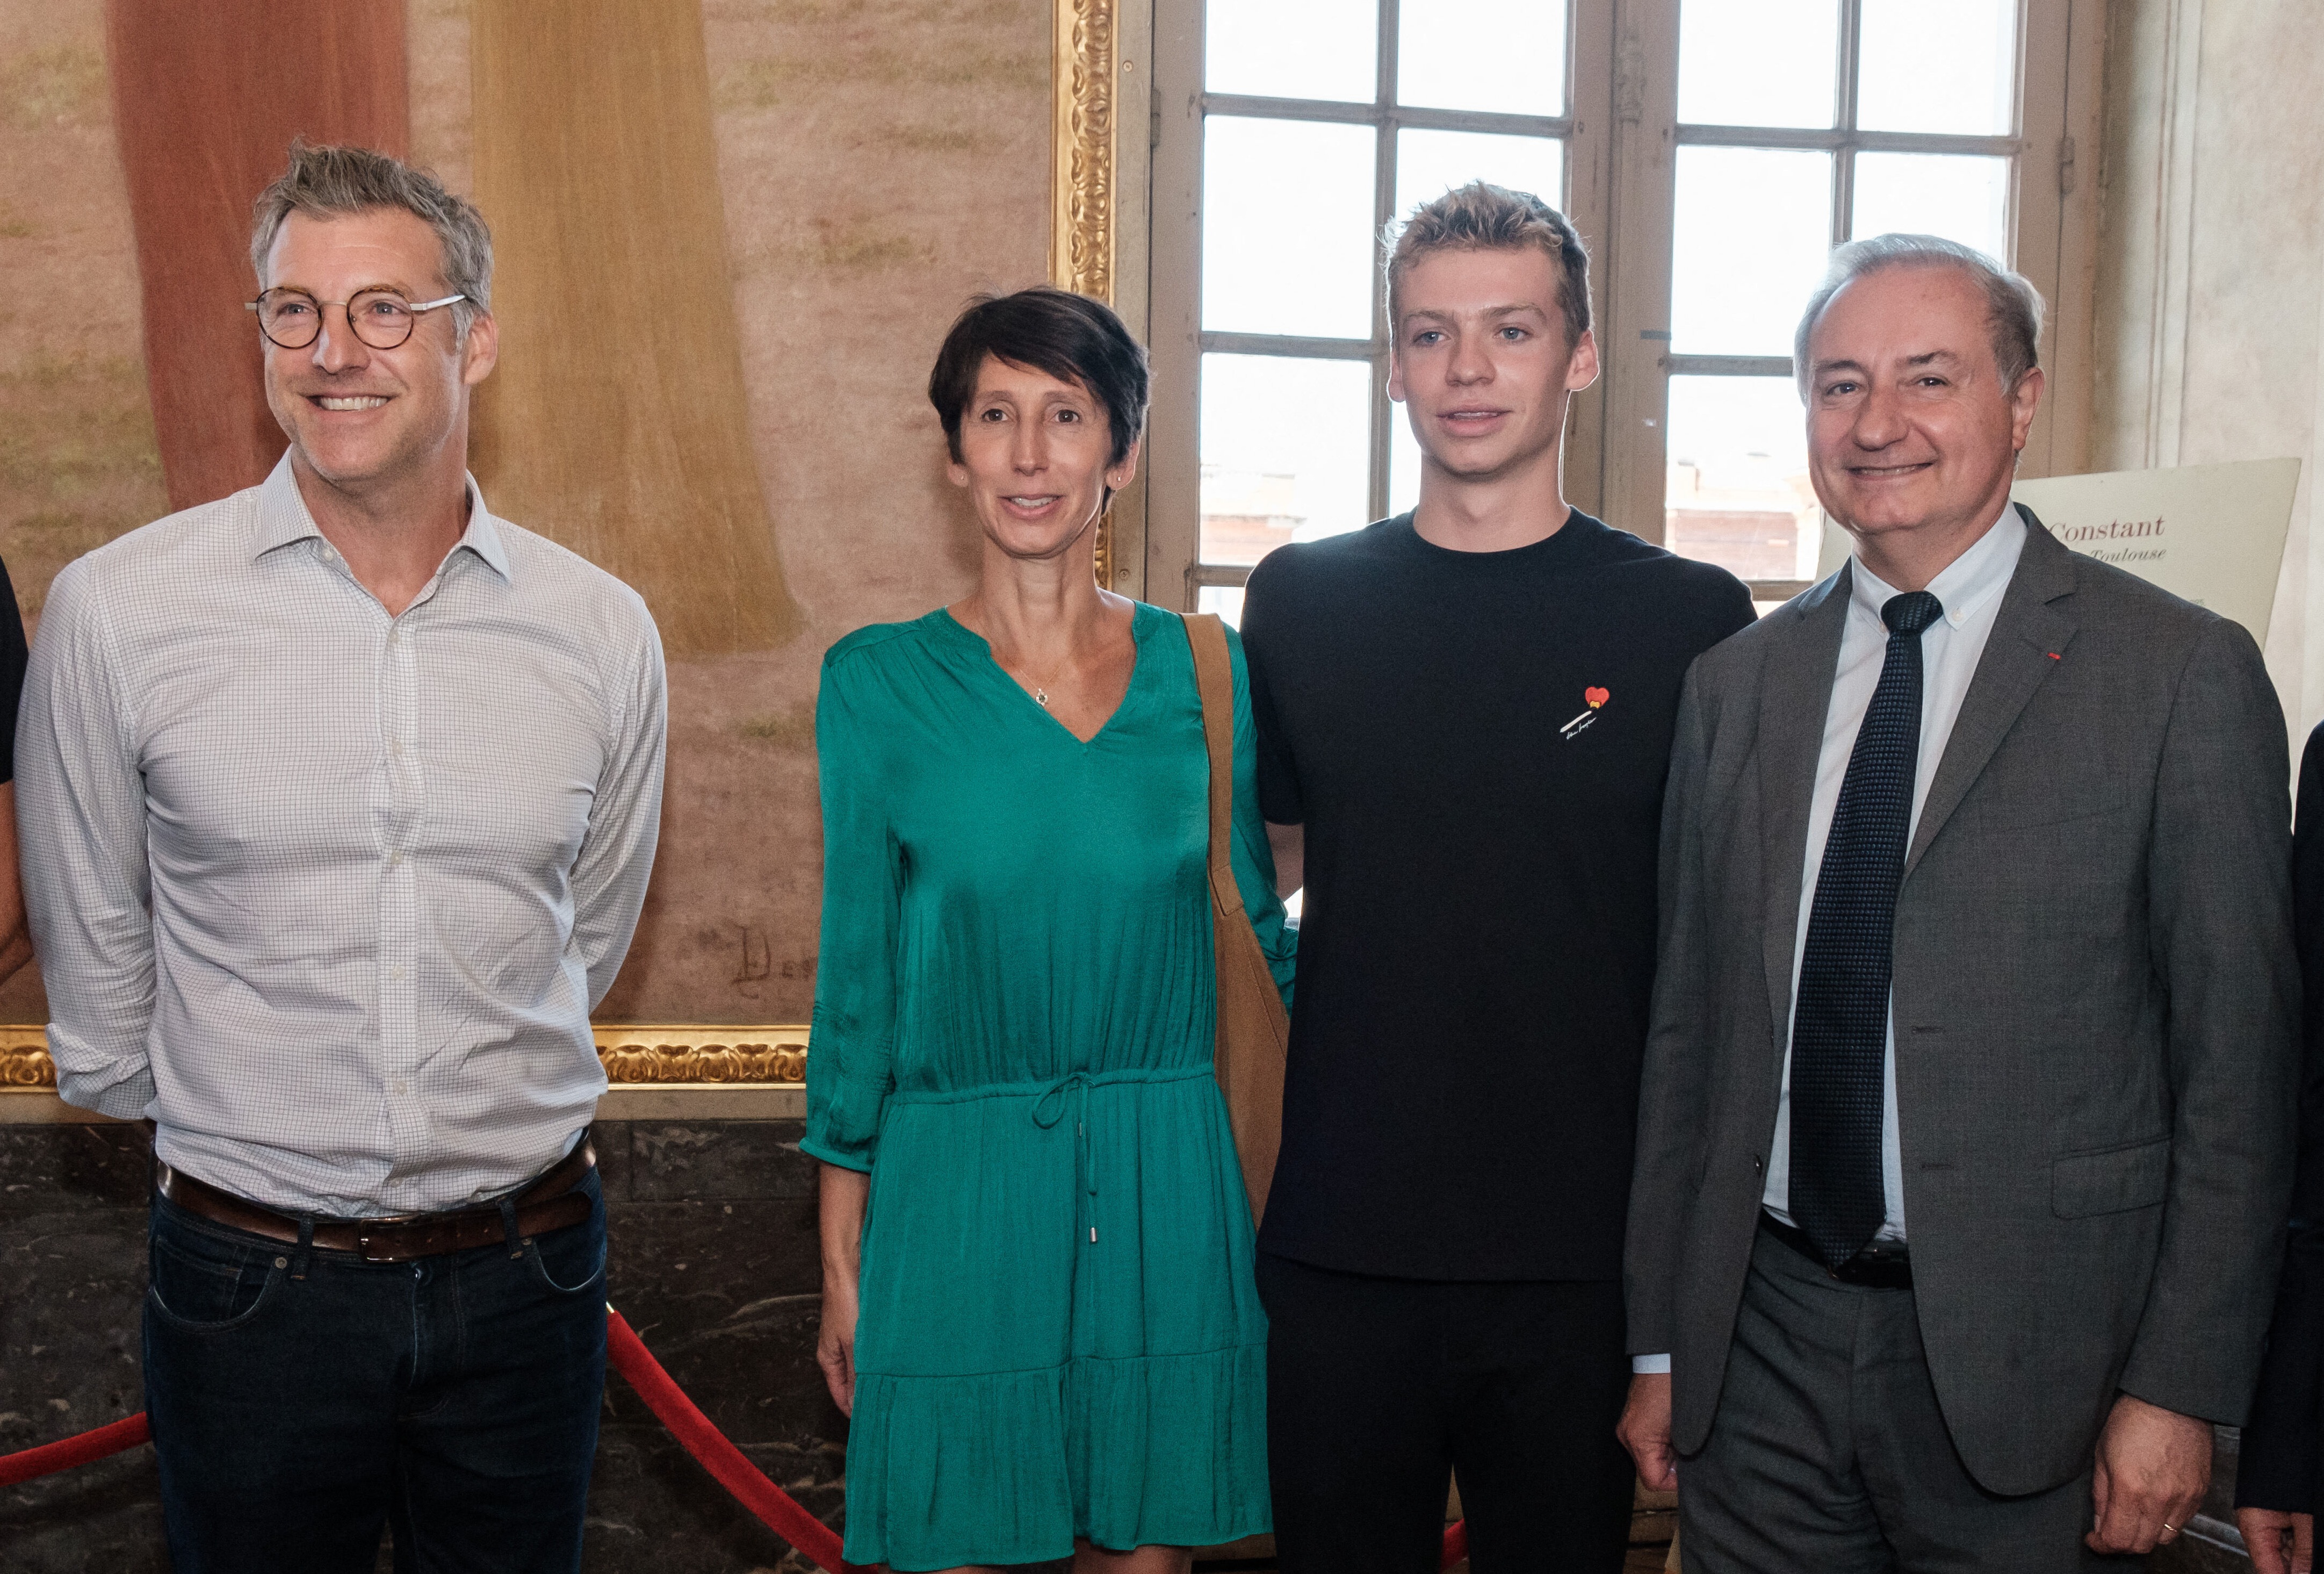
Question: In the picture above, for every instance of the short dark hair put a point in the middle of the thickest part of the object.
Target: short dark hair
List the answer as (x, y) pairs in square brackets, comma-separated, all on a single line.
[(1072, 337), (1483, 217)]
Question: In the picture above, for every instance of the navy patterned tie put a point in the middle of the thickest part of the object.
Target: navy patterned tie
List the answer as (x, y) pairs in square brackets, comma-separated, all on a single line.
[(1839, 1026)]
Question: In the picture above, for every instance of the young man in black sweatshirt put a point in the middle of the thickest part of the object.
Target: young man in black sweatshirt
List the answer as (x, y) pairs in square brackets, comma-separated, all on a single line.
[(1465, 714)]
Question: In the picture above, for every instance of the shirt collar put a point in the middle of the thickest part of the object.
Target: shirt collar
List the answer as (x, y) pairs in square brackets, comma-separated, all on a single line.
[(284, 518), (1967, 584)]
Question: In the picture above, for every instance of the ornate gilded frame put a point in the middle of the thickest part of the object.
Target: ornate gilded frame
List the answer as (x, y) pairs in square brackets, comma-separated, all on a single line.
[(1085, 71), (701, 1054)]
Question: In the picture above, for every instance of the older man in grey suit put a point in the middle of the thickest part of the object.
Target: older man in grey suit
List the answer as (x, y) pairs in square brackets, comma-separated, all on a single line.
[(1965, 1133)]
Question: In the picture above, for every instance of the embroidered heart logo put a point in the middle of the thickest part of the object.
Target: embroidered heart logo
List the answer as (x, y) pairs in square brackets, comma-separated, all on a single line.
[(1597, 697)]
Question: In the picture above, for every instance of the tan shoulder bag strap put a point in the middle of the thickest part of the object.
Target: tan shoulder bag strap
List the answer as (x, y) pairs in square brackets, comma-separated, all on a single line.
[(1254, 1031)]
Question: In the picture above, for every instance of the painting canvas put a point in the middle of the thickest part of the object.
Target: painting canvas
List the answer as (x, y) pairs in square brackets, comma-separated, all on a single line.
[(717, 322)]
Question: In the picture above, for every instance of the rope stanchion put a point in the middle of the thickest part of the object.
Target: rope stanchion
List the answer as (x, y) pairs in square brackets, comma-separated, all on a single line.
[(84, 1447), (727, 1464)]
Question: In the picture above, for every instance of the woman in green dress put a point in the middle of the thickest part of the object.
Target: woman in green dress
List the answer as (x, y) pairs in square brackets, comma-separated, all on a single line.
[(1037, 1298)]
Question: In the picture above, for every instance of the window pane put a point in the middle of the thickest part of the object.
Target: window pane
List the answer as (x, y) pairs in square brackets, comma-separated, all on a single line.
[(1283, 255), (1403, 463), (1226, 600), (1737, 493), (1294, 48), (1750, 239), (1928, 67), (1286, 452), (1758, 62), (1429, 164), (1508, 56), (1962, 199)]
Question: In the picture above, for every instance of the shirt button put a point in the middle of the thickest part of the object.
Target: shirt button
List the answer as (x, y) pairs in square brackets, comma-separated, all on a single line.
[(396, 972), (399, 1085), (394, 856)]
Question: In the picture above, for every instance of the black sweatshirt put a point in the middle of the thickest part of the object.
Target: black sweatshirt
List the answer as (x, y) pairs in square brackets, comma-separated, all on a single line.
[(1476, 743)]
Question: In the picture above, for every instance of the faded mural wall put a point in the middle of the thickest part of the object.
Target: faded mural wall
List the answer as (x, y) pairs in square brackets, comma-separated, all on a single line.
[(877, 161)]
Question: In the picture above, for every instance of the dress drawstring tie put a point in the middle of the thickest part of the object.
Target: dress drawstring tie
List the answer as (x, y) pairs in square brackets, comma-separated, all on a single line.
[(1050, 1108)]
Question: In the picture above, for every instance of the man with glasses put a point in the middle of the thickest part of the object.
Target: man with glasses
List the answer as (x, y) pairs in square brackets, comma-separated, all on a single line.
[(340, 797)]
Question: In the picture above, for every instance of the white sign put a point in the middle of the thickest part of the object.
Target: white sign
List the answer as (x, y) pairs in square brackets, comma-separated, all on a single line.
[(2212, 533)]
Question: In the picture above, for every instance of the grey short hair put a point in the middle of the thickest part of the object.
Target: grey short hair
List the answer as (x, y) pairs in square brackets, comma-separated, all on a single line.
[(2013, 305), (335, 182)]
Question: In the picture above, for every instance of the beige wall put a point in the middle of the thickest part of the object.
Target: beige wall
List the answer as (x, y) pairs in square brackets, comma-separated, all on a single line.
[(2210, 298), (879, 161)]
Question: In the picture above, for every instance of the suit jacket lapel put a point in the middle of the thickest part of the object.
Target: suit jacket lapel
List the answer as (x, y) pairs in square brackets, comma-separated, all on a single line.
[(1795, 697), (2028, 633)]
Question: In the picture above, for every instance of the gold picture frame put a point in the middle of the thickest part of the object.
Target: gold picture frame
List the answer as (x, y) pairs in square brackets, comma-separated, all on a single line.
[(1082, 122), (701, 1054)]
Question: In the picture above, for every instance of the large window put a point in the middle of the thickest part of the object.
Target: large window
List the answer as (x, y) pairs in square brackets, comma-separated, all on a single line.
[(1321, 121), (1803, 124), (1710, 153)]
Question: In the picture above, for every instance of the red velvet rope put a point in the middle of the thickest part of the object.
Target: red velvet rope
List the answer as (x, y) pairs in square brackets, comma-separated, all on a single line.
[(776, 1508), (726, 1462), (67, 1452)]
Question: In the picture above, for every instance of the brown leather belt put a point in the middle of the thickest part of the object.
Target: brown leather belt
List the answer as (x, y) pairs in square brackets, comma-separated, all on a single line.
[(549, 1203)]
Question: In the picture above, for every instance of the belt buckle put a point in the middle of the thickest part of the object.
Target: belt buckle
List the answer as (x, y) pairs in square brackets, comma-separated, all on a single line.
[(366, 1230)]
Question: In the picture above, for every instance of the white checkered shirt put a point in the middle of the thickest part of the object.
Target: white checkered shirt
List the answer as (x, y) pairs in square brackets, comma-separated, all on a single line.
[(326, 894)]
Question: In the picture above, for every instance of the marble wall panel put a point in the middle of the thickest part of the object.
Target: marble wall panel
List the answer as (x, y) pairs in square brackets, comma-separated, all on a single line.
[(2211, 286), (72, 1273), (713, 1259)]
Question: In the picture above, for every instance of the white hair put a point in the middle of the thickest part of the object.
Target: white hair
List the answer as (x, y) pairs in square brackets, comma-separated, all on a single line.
[(2013, 304)]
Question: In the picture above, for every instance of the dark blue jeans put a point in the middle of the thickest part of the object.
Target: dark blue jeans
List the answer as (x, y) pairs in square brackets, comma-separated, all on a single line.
[(301, 1399)]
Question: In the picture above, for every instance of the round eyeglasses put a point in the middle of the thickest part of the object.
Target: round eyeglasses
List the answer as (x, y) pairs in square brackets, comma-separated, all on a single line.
[(382, 318)]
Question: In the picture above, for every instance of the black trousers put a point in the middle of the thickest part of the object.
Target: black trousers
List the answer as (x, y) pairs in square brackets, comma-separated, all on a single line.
[(1379, 1389)]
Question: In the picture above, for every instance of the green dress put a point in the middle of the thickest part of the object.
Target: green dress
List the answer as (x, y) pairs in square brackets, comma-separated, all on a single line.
[(1059, 1335)]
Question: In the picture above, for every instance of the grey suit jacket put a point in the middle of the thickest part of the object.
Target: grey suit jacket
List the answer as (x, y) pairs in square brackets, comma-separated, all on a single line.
[(2095, 998)]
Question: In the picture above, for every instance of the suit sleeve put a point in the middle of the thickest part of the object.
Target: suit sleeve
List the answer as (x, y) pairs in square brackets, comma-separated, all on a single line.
[(2220, 905), (1679, 1044), (2283, 1440), (13, 659), (850, 1068)]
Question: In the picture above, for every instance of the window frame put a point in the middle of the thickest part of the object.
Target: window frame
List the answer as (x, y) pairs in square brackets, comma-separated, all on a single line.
[(1620, 130)]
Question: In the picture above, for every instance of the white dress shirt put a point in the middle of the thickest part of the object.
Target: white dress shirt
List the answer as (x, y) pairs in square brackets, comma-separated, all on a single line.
[(329, 895), (1971, 591)]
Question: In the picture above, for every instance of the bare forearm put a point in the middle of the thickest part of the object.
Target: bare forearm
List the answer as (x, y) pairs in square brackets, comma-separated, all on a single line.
[(844, 1195), (1289, 843)]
